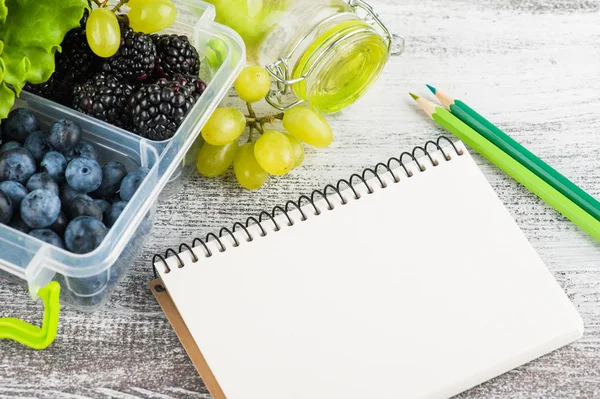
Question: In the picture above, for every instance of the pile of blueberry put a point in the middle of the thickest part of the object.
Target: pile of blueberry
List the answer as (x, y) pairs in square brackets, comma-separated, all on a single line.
[(52, 186)]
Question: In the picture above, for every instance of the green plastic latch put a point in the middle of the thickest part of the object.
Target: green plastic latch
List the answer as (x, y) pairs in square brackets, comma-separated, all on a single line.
[(30, 335)]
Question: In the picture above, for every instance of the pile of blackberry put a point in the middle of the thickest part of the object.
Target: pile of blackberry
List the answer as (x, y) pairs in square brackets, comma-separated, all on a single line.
[(148, 87)]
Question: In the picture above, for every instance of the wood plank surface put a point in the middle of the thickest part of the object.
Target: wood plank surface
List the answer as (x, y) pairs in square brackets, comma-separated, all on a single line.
[(532, 66)]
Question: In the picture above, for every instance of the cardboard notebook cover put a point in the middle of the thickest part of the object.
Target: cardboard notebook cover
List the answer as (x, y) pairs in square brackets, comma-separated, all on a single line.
[(184, 335)]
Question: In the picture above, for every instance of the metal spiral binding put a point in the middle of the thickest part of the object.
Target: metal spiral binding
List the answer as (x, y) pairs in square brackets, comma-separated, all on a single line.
[(417, 152)]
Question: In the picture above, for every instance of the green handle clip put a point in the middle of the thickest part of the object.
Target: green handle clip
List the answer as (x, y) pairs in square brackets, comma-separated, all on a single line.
[(30, 335)]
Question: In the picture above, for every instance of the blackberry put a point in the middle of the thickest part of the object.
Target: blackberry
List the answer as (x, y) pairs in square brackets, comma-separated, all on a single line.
[(175, 55), (159, 109), (58, 88), (189, 80), (74, 64), (135, 59), (77, 61), (42, 90), (104, 97)]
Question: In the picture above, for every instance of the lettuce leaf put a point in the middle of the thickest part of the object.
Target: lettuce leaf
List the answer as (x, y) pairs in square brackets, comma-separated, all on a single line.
[(30, 34), (3, 11)]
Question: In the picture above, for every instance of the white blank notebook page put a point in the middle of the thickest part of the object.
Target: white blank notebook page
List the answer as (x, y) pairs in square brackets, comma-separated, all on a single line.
[(422, 289)]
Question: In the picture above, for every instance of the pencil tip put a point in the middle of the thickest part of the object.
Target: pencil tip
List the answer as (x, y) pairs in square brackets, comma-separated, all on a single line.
[(433, 89), (414, 96)]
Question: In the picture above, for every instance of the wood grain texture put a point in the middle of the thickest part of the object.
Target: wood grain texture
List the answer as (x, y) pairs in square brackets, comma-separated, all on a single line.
[(531, 66)]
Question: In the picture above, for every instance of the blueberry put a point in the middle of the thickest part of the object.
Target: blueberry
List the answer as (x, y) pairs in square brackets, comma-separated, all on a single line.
[(67, 194), (83, 150), (104, 206), (48, 236), (60, 225), (84, 234), (84, 175), (9, 146), (132, 182), (113, 174), (54, 163), (114, 198), (37, 145), (64, 135), (44, 181), (18, 224), (40, 208), (6, 208), (82, 205), (15, 191), (115, 212), (17, 164), (20, 123)]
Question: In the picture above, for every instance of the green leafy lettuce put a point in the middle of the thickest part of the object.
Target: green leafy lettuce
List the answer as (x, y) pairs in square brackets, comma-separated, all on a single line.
[(31, 32)]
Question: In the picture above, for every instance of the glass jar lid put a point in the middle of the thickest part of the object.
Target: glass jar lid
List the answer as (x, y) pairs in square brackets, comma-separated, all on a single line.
[(337, 66), (340, 66)]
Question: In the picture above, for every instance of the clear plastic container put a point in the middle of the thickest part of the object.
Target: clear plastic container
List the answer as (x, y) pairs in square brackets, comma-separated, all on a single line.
[(87, 280)]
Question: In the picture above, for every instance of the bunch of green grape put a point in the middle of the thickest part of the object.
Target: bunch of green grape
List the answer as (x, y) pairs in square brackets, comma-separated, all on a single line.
[(147, 16), (273, 152)]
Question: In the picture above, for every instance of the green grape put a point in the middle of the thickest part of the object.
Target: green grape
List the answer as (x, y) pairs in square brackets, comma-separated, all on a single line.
[(224, 126), (247, 170), (149, 16), (253, 84), (275, 153), (216, 53), (308, 126), (213, 161), (298, 150), (252, 19), (103, 32)]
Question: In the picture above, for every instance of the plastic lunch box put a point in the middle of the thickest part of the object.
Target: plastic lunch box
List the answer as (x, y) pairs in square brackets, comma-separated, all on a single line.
[(87, 280)]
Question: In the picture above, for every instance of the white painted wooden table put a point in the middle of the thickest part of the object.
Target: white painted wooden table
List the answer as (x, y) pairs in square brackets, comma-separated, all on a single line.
[(532, 66)]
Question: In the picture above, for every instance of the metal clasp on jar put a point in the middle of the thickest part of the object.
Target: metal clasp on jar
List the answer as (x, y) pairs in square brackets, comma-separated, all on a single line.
[(281, 71)]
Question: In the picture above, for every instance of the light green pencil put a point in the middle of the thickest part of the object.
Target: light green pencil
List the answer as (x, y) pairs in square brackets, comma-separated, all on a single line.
[(521, 154), (513, 168)]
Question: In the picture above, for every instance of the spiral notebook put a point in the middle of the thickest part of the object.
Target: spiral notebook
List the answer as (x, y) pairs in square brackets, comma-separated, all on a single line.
[(410, 280)]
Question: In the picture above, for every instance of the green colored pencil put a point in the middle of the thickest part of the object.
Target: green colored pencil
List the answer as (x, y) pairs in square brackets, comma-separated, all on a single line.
[(513, 168), (507, 144)]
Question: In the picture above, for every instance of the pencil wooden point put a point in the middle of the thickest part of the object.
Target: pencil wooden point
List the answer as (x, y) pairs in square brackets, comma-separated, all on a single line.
[(433, 89), (414, 96), (427, 106), (445, 99)]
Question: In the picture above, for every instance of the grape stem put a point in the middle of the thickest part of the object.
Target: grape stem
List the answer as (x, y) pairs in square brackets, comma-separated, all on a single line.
[(258, 123), (97, 2), (121, 3), (251, 112)]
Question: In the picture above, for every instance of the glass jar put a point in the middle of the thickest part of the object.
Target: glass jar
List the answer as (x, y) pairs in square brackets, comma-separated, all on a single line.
[(326, 53)]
